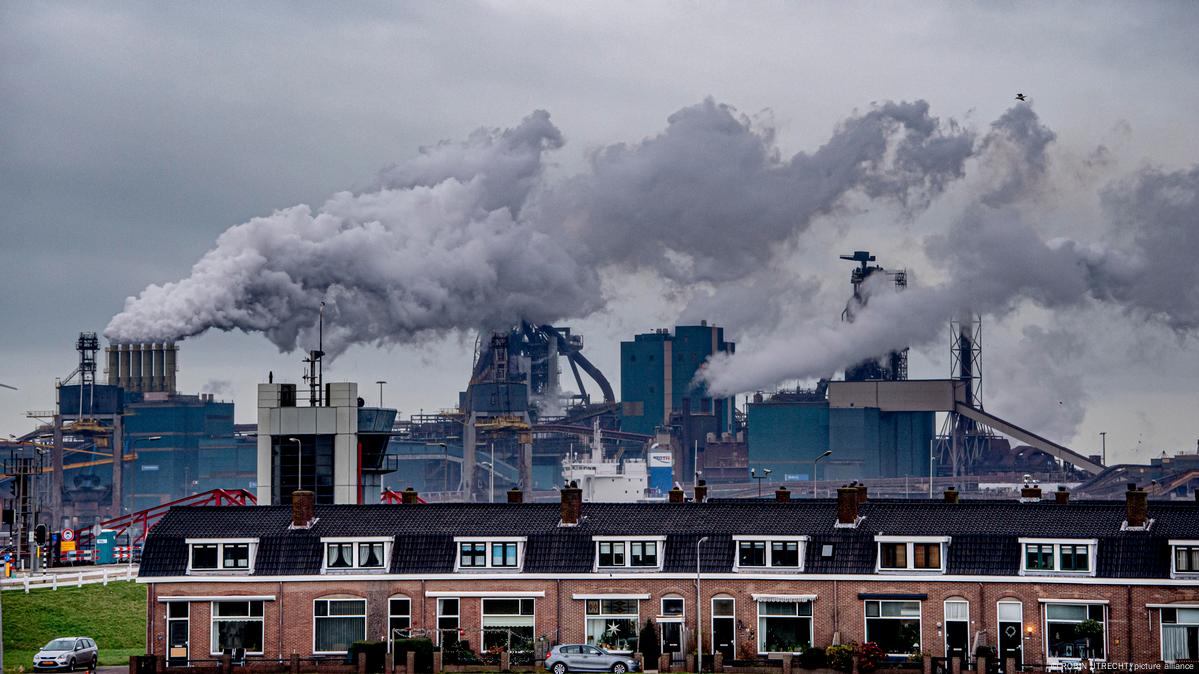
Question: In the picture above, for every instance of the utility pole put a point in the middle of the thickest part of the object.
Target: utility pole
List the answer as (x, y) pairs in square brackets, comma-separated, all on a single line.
[(1103, 439)]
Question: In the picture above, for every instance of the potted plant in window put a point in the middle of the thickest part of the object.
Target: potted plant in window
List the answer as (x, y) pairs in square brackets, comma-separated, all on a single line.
[(1089, 629)]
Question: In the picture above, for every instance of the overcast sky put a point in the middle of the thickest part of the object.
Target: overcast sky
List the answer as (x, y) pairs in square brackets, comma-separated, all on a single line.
[(132, 135)]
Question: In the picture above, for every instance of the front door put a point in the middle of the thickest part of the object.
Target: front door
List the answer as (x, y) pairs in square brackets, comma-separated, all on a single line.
[(1011, 636), (724, 627), (177, 633), (672, 641)]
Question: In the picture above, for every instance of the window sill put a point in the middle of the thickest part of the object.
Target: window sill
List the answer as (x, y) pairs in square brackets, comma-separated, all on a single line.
[(768, 569), (899, 572), (493, 569), (218, 572), (352, 571), (1062, 574)]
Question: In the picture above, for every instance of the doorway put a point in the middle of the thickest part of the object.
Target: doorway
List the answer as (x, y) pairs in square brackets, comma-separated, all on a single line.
[(177, 633)]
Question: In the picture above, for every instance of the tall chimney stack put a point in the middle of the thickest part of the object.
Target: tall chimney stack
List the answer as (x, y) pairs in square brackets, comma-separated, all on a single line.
[(124, 361), (147, 367), (169, 367), (135, 367), (572, 505), (114, 365)]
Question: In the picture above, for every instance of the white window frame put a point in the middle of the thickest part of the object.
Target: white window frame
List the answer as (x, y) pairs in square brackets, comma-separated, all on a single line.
[(1161, 625), (761, 637), (659, 541), (387, 541), (213, 619), (945, 622), (802, 545), (488, 541), (866, 618), (663, 616), (1046, 603), (220, 555), (512, 617), (1092, 545), (635, 617), (390, 633), (1181, 543), (910, 558), (327, 598)]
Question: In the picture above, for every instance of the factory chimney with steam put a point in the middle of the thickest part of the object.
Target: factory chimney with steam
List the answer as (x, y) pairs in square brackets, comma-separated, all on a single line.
[(147, 367)]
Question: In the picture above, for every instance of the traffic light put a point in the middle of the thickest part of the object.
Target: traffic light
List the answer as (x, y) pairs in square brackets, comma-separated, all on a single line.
[(40, 534)]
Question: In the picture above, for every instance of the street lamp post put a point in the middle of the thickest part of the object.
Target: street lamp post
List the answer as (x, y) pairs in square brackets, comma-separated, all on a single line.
[(299, 464), (754, 475), (380, 383), (1103, 439), (491, 477), (826, 454), (699, 615)]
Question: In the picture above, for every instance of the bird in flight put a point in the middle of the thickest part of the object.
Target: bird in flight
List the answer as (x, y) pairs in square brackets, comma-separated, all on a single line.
[(1020, 97)]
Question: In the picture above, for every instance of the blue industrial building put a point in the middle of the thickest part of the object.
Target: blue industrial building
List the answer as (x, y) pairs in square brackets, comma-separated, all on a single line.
[(657, 374), (787, 433)]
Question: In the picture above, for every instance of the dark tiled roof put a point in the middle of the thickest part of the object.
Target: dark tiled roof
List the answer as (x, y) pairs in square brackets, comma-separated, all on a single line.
[(985, 533)]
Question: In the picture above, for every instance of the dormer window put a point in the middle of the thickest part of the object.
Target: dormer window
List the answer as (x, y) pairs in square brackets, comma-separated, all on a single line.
[(645, 553), (349, 554), (912, 553), (770, 552), (221, 555), (1184, 558), (495, 554), (1044, 556)]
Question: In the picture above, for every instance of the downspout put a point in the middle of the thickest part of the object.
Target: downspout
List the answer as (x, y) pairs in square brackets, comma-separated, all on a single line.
[(836, 614), (151, 597), (558, 611), (1128, 621), (279, 609)]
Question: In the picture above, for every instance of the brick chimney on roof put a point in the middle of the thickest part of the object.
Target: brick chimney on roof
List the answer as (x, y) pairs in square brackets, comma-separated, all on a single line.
[(1136, 506), (516, 496), (1061, 495), (409, 496), (676, 494), (952, 495), (303, 509), (847, 506), (782, 494), (861, 493), (1030, 492), (572, 504), (701, 491)]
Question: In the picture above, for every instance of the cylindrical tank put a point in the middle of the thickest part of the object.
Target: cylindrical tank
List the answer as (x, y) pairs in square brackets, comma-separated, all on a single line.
[(135, 367), (114, 365), (148, 367), (169, 367)]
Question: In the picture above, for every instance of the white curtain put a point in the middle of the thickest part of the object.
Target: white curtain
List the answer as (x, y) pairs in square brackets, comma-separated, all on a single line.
[(1174, 643)]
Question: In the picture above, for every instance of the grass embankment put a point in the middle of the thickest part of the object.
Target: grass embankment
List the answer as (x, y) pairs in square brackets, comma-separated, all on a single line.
[(115, 616)]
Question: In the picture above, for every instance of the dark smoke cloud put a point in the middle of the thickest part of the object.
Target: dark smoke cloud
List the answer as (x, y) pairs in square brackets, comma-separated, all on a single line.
[(471, 234)]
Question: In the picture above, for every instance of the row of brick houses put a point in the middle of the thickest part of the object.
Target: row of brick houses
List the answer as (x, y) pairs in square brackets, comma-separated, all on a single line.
[(1047, 581)]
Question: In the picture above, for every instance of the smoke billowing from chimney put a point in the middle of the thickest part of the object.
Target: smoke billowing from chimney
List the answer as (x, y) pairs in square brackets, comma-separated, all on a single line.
[(471, 233)]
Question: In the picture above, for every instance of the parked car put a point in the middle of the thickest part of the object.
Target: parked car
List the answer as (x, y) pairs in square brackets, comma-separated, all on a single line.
[(587, 658), (67, 653)]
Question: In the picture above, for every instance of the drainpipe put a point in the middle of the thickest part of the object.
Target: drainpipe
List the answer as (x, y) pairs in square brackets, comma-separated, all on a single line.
[(558, 610), (836, 614), (1128, 621), (279, 610)]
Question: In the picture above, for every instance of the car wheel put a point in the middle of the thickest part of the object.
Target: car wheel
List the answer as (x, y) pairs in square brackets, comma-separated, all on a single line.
[(619, 668), (559, 668), (72, 665)]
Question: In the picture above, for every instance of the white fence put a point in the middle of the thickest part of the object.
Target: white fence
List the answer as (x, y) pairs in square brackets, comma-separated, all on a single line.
[(53, 581)]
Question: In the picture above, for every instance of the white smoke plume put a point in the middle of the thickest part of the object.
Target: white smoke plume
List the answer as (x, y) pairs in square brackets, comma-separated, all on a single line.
[(997, 259), (471, 234)]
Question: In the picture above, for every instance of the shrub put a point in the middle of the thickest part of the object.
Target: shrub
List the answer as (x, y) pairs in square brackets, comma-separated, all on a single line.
[(984, 652), (459, 652), (647, 641), (869, 655), (813, 658), (423, 649), (376, 654), (840, 657)]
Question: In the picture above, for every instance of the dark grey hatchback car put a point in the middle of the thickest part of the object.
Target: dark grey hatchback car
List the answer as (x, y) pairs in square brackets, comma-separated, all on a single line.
[(587, 658)]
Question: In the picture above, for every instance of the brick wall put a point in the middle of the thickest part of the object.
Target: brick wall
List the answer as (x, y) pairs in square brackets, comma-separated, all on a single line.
[(1133, 630)]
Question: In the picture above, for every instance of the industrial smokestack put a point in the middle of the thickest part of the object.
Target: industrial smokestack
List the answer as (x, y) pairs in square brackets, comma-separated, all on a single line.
[(123, 375), (135, 367), (169, 367), (153, 378), (147, 367), (114, 365)]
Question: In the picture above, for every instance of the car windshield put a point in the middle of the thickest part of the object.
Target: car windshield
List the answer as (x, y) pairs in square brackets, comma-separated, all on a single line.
[(60, 645)]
